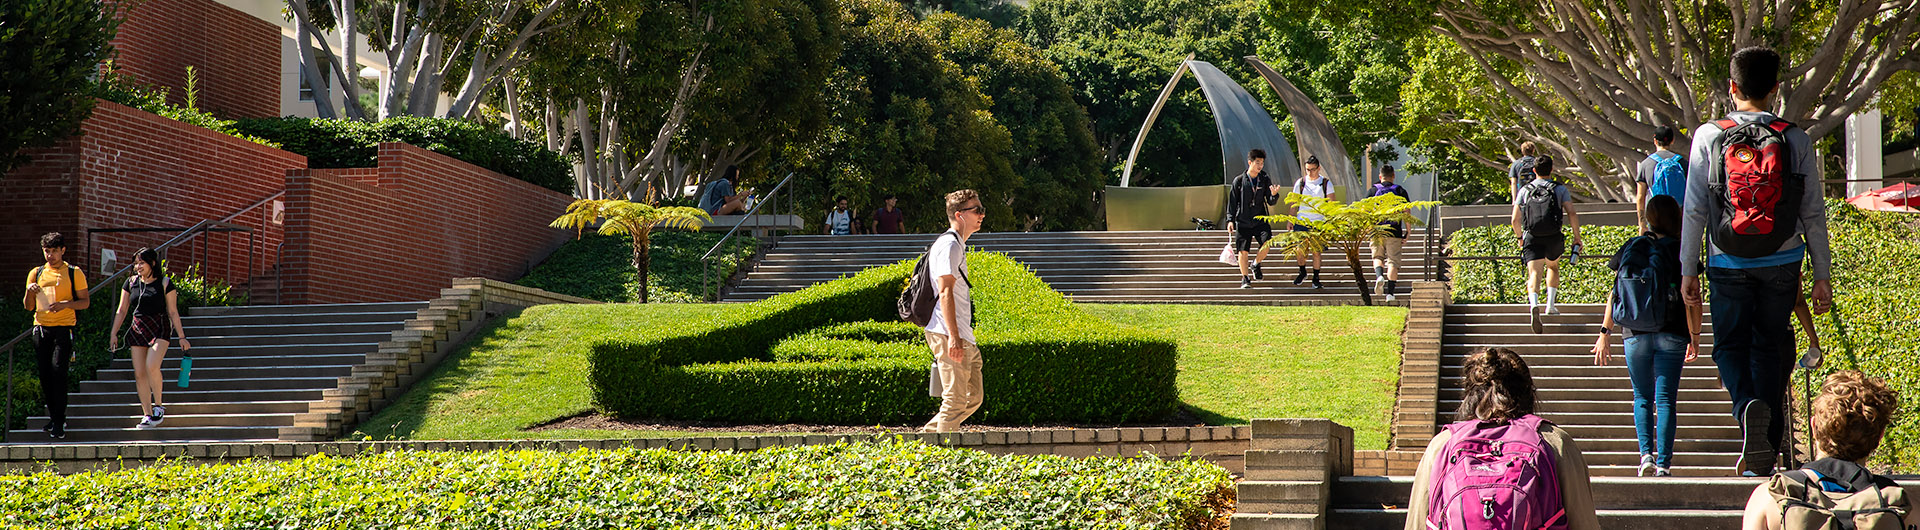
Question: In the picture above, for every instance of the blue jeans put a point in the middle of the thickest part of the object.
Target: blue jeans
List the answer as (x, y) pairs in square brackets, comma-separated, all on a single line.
[(1753, 335), (1653, 364)]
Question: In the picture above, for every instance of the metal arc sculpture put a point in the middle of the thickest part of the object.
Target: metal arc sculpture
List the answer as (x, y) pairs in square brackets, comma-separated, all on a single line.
[(1243, 124), (1314, 131)]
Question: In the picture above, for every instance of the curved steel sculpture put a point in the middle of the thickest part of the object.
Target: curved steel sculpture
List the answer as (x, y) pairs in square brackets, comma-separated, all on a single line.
[(1243, 123), (1314, 132)]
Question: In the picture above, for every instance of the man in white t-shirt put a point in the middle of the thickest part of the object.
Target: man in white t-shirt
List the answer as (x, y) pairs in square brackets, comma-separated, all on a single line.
[(840, 218), (950, 331), (1312, 185)]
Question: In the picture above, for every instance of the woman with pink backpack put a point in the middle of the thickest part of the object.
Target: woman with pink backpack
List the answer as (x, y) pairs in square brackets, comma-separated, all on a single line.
[(1501, 467)]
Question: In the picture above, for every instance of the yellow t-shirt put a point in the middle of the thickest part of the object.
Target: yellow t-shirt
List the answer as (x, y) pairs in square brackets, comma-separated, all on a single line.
[(56, 287)]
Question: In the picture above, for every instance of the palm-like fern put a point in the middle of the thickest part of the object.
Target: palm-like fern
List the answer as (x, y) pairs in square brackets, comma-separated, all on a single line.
[(1348, 228), (633, 219)]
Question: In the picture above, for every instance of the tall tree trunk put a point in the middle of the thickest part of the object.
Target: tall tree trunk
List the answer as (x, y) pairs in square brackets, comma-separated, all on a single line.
[(640, 261), (1359, 278)]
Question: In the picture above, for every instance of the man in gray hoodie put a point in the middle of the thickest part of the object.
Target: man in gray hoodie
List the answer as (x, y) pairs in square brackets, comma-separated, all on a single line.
[(1754, 286)]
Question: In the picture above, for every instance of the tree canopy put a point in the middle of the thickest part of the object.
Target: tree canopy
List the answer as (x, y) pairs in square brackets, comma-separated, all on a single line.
[(49, 52)]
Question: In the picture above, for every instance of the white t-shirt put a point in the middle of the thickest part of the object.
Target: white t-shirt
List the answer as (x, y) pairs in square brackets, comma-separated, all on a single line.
[(841, 222), (1322, 188), (943, 259)]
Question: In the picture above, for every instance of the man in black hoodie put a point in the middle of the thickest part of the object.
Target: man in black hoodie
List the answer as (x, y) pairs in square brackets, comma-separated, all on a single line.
[(1247, 200)]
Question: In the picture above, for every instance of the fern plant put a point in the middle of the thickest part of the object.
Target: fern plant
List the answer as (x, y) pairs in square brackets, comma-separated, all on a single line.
[(619, 217), (1347, 228)]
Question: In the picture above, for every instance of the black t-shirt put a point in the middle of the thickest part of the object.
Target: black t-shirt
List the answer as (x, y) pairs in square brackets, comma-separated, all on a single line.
[(1248, 197), (149, 299), (1676, 309)]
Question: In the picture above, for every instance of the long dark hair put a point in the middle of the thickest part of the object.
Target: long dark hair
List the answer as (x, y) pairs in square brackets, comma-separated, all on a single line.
[(152, 260), (1498, 386)]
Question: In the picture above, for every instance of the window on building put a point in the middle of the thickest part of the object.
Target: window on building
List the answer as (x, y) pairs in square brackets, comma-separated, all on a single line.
[(325, 64)]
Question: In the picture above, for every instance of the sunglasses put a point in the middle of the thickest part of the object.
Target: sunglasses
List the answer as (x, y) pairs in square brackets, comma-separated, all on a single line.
[(976, 209)]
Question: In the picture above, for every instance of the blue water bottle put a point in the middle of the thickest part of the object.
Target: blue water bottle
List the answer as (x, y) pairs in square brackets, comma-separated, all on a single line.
[(186, 367)]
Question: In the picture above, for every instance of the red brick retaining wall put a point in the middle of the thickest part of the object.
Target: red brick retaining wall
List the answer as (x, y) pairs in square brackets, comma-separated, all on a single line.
[(235, 57)]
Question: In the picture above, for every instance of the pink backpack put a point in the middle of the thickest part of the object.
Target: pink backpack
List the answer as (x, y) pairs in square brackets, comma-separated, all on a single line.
[(1495, 476)]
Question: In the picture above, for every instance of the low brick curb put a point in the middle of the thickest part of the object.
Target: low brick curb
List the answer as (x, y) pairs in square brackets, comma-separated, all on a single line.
[(1223, 445), (412, 352), (1415, 409)]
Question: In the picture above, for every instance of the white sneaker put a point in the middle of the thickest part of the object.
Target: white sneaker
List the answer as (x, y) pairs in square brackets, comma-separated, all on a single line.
[(145, 422), (1533, 319), (159, 414), (1553, 309), (1389, 298), (1646, 465)]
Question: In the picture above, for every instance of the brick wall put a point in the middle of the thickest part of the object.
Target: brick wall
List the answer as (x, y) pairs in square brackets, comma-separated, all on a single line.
[(404, 230), (134, 169), (235, 56)]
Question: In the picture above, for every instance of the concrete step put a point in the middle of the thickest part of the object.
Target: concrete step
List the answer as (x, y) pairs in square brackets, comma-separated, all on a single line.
[(1527, 350), (171, 374), (1275, 521), (1519, 309), (1565, 359), (1554, 407), (173, 419), (131, 407), (288, 339), (213, 327), (381, 317), (1384, 518), (1609, 493), (1521, 327), (257, 350), (279, 383), (173, 361), (197, 393), (1617, 372), (1558, 335), (163, 433), (257, 310)]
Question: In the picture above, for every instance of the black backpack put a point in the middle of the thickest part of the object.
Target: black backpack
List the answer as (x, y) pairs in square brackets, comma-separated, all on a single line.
[(917, 301), (1540, 209)]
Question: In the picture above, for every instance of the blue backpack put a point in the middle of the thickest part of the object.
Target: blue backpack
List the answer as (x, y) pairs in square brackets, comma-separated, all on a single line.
[(1642, 289), (1669, 177)]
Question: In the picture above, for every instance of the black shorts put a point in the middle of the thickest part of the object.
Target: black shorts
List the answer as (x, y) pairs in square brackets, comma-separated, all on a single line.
[(1539, 248), (147, 329), (1248, 236), (1297, 227)]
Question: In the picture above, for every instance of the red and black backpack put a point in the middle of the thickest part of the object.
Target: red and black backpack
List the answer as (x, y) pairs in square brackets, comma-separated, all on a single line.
[(1758, 193)]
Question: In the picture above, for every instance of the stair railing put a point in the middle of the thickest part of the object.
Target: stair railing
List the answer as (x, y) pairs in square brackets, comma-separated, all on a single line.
[(186, 234), (713, 282)]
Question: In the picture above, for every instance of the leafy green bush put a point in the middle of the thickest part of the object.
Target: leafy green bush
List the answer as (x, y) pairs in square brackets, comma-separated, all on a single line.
[(889, 484), (600, 267), (352, 143), (1045, 360), (120, 89), (1505, 281), (1876, 300)]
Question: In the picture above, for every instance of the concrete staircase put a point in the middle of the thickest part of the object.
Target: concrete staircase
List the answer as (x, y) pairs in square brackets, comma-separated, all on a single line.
[(1623, 503), (1130, 267), (1594, 403), (254, 368)]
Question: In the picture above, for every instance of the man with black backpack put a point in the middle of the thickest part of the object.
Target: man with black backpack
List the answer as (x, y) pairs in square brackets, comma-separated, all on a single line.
[(1753, 205), (1664, 172), (1247, 200), (55, 293), (949, 322), (1540, 209)]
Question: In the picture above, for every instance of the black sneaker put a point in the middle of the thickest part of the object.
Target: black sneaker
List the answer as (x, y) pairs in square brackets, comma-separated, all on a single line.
[(1756, 451), (1316, 281), (1301, 277), (1246, 283), (1257, 275), (58, 432)]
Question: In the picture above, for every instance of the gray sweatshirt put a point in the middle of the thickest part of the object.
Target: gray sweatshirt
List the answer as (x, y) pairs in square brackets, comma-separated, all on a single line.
[(1811, 230)]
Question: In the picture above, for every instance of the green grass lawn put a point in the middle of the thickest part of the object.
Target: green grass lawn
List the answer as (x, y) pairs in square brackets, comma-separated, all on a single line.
[(1236, 363), (1240, 363)]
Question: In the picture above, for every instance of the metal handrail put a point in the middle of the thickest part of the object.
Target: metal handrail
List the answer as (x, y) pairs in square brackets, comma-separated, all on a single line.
[(6, 421), (708, 257)]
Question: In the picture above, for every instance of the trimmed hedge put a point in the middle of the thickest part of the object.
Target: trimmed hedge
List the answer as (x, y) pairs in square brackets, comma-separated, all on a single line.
[(353, 143), (1876, 300), (1045, 360), (890, 484)]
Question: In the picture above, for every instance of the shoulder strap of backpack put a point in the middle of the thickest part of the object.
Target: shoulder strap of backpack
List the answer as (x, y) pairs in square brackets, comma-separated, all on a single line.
[(1726, 123)]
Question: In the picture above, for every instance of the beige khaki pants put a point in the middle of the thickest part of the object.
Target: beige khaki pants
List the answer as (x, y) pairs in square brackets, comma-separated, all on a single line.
[(960, 385)]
